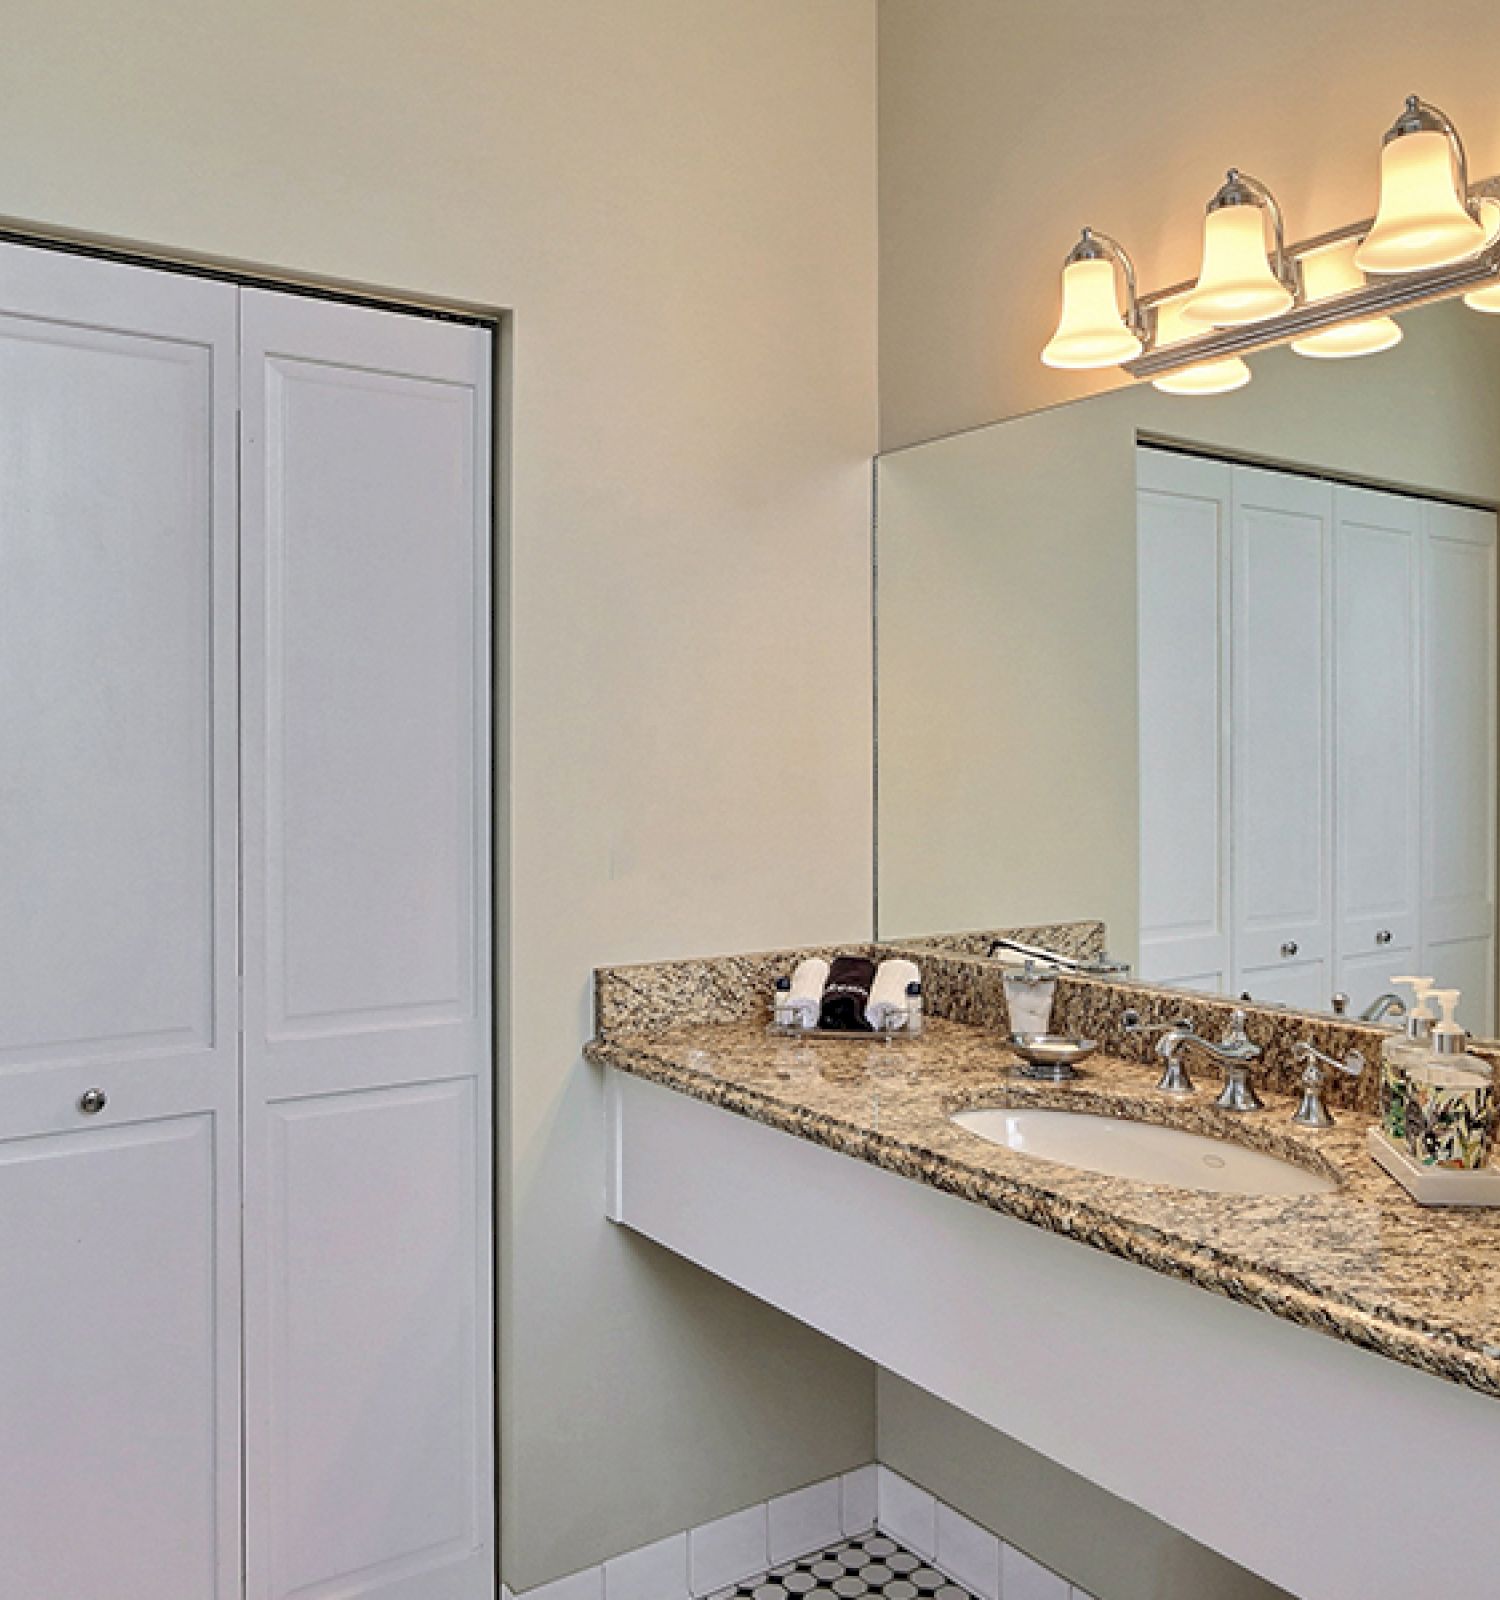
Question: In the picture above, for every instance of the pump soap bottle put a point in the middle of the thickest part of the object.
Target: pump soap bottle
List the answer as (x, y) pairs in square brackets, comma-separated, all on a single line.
[(1401, 1052), (1450, 1099)]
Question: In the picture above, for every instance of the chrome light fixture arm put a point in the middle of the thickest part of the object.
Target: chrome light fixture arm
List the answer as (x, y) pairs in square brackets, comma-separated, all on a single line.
[(1095, 246)]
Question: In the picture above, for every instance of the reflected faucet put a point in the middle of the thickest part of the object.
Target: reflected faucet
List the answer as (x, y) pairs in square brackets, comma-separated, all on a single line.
[(1092, 965), (1383, 1006)]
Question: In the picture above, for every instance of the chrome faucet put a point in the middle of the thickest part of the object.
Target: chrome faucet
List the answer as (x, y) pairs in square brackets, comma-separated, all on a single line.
[(1094, 966), (1311, 1112), (1131, 1022), (1235, 1051), (1383, 1006)]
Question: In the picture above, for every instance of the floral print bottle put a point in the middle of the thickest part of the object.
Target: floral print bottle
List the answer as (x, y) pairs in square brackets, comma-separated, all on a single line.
[(1400, 1053), (1449, 1109)]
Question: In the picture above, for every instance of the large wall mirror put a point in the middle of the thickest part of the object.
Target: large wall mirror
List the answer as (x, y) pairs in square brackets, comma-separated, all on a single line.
[(1219, 670)]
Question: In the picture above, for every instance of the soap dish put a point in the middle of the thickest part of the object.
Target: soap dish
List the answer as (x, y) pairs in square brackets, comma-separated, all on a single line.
[(1433, 1186), (1051, 1057)]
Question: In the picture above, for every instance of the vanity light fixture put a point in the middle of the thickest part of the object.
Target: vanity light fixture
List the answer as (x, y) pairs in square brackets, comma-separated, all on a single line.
[(1208, 377), (1241, 279), (1092, 331), (1437, 235), (1326, 275), (1427, 217)]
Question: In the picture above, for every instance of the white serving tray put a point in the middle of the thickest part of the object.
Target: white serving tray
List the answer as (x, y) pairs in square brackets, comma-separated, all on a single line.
[(1433, 1186)]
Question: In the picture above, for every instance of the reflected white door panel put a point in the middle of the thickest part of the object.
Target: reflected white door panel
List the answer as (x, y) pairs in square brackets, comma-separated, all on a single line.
[(1458, 746), (1282, 791), (1377, 831), (1182, 531)]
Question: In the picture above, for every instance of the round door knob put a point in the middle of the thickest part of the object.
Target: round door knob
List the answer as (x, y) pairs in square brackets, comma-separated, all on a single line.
[(92, 1101), (1289, 948), (1383, 937)]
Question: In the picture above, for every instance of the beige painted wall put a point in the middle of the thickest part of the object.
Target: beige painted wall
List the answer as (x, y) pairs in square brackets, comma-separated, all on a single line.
[(678, 201), (1007, 646), (1005, 127), (1105, 1545)]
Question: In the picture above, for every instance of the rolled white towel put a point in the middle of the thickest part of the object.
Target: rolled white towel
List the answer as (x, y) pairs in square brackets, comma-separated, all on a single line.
[(808, 983), (887, 1005)]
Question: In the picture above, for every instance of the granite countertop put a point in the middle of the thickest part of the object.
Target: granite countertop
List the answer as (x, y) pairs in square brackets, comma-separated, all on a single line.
[(1363, 1263)]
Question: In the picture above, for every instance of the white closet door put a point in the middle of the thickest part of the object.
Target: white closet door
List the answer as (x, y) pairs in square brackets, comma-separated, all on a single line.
[(1458, 630), (1182, 533), (1377, 835), (1282, 817), (119, 1293), (367, 958)]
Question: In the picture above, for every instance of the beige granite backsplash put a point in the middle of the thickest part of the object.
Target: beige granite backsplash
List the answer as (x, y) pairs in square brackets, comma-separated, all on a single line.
[(970, 989), (657, 997)]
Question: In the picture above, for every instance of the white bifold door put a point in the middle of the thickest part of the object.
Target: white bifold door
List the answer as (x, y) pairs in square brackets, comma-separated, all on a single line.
[(119, 1079), (1317, 736), (245, 1192), (364, 658)]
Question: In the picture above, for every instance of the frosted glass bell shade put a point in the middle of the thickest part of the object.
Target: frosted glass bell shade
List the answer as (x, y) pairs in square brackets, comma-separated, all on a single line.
[(1207, 377), (1326, 274), (1422, 221), (1487, 299), (1236, 284), (1091, 331)]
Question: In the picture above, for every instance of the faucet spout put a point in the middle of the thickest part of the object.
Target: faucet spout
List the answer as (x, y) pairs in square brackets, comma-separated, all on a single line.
[(1093, 966), (1234, 1052), (1383, 1006)]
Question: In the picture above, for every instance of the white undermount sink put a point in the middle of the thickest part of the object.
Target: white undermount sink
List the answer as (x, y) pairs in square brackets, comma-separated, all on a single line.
[(1144, 1151)]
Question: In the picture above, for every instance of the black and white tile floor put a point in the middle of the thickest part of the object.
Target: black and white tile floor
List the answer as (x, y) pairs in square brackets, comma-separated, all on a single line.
[(868, 1567)]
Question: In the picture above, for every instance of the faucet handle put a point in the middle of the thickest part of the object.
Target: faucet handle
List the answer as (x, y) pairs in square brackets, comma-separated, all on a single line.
[(1236, 1038), (1353, 1063), (1311, 1111), (1174, 1076)]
